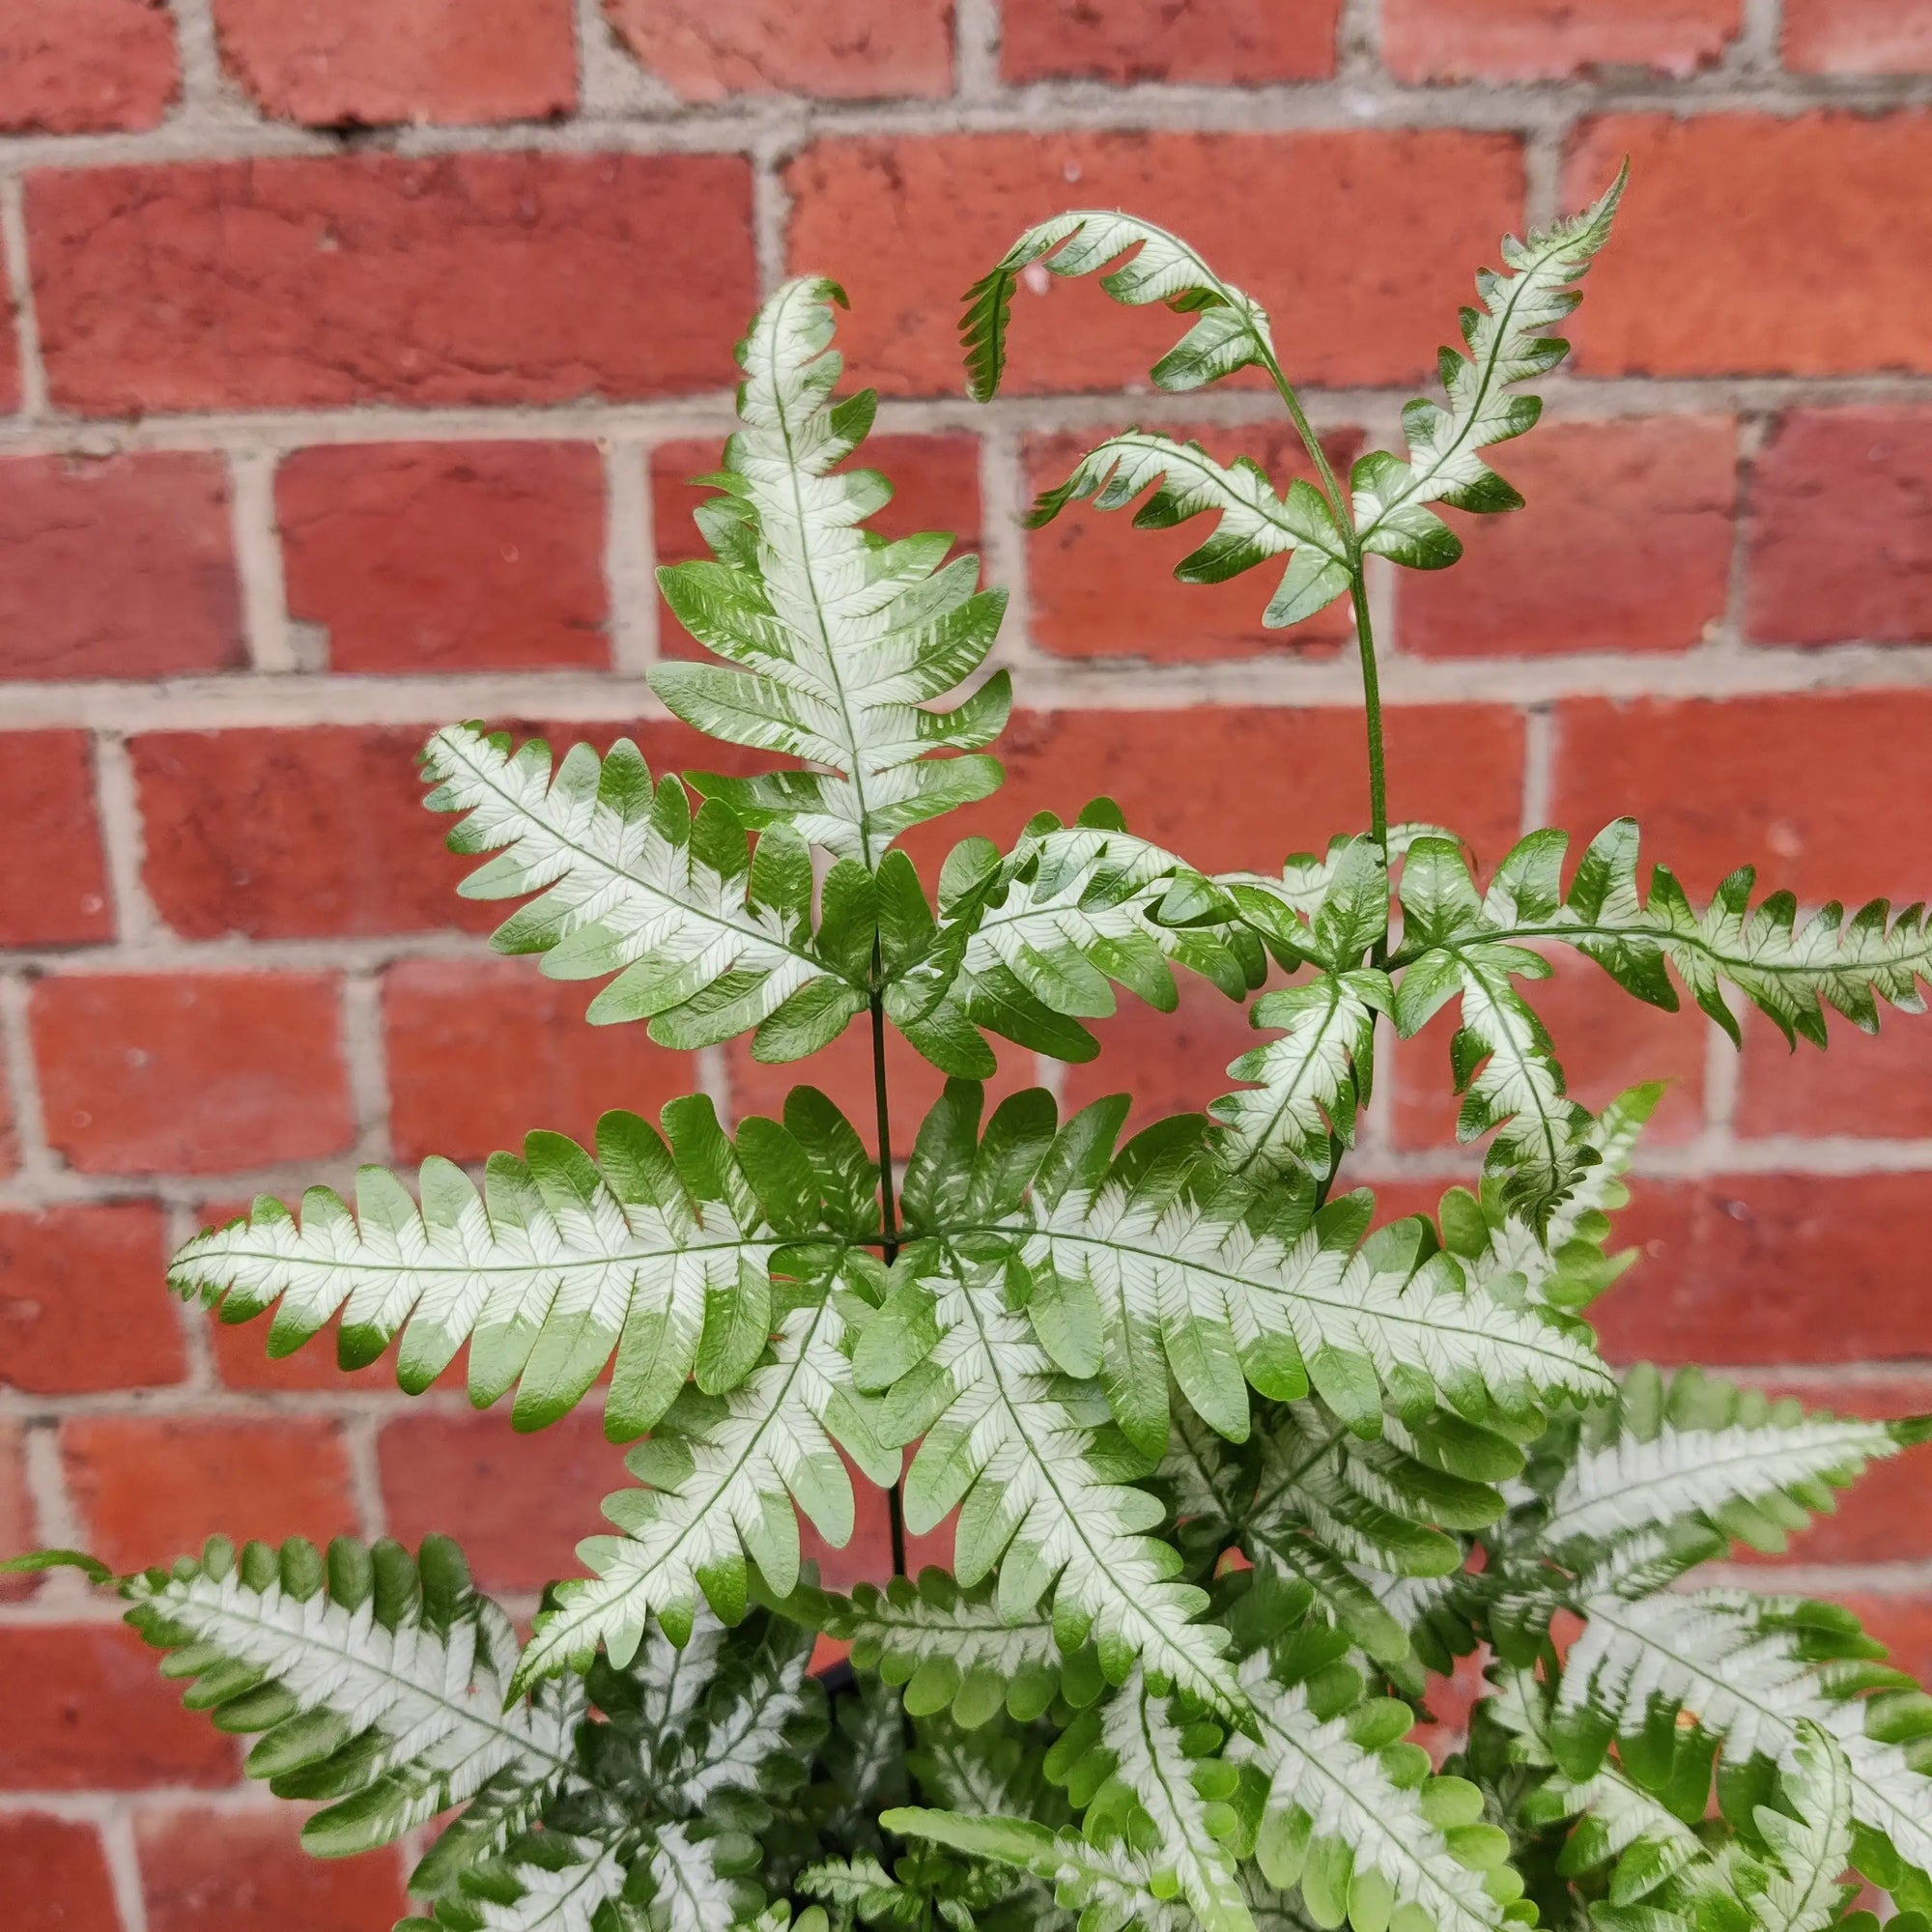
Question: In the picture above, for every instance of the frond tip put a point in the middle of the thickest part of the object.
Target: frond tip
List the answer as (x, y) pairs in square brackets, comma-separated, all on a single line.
[(832, 637)]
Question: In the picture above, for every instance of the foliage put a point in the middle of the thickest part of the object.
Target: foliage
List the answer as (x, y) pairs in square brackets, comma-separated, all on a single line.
[(1235, 1464)]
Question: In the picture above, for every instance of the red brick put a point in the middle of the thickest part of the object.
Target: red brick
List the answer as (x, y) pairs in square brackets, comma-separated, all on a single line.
[(1605, 1040), (321, 831), (1171, 1062), (483, 1050), (1900, 1621), (908, 222), (88, 1710), (1818, 218), (361, 63), (248, 1872), (83, 1300), (85, 67), (53, 888), (195, 1074), (935, 482), (1260, 783), (844, 1070), (1752, 801), (53, 1874), (1864, 1085), (1639, 511), (1218, 43), (463, 278), (1552, 40), (1773, 1268), (1858, 36), (1882, 1517), (426, 557), (17, 1530), (121, 566), (840, 49), (518, 1504), (1841, 528), (150, 1488), (1101, 588)]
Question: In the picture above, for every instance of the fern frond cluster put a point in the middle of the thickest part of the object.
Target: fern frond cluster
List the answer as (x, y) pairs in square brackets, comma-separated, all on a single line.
[(1235, 1464)]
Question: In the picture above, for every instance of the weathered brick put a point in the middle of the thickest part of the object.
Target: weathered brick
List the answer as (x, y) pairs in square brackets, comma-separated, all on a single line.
[(361, 63), (518, 1504), (430, 557), (17, 1530), (1772, 1267), (908, 222), (1101, 588), (53, 888), (1641, 511), (321, 831), (85, 67), (149, 1489), (1858, 36), (464, 278), (1245, 786), (1882, 1517), (191, 1073), (246, 1870), (83, 1301), (1552, 40), (935, 487), (1864, 1086), (53, 1875), (1751, 801), (1819, 217), (1214, 42), (1841, 528), (1171, 1062), (840, 49), (1605, 1040), (481, 1051), (120, 566), (843, 1071), (88, 1710)]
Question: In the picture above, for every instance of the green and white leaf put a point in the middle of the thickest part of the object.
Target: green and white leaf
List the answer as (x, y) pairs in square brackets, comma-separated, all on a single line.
[(1045, 1490), (1508, 343), (1350, 1823), (1164, 1769), (1738, 1664), (1789, 972), (1030, 944), (558, 1263), (381, 1686), (833, 637), (1753, 1468), (1231, 331), (1253, 523), (1809, 1851), (722, 1475), (707, 938)]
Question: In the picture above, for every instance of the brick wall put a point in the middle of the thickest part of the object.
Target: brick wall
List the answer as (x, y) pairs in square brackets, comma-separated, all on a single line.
[(358, 358)]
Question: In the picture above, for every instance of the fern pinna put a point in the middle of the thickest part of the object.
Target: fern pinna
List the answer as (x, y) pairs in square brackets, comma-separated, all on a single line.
[(1233, 1464)]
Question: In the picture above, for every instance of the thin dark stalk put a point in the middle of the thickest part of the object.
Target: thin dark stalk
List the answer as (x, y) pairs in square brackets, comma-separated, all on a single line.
[(889, 1213)]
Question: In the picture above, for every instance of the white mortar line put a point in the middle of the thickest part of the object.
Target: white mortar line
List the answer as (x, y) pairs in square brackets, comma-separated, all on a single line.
[(630, 558), (38, 1165), (20, 290), (365, 1066), (257, 561), (977, 32), (122, 835)]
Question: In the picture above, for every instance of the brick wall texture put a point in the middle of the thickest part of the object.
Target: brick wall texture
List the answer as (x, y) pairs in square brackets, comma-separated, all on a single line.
[(357, 356)]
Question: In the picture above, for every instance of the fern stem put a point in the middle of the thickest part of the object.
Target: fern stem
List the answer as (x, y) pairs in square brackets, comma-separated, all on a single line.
[(889, 1210), (1358, 590)]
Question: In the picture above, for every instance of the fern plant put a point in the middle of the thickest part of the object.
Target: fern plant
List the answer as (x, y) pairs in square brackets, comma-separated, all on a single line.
[(1233, 1466)]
